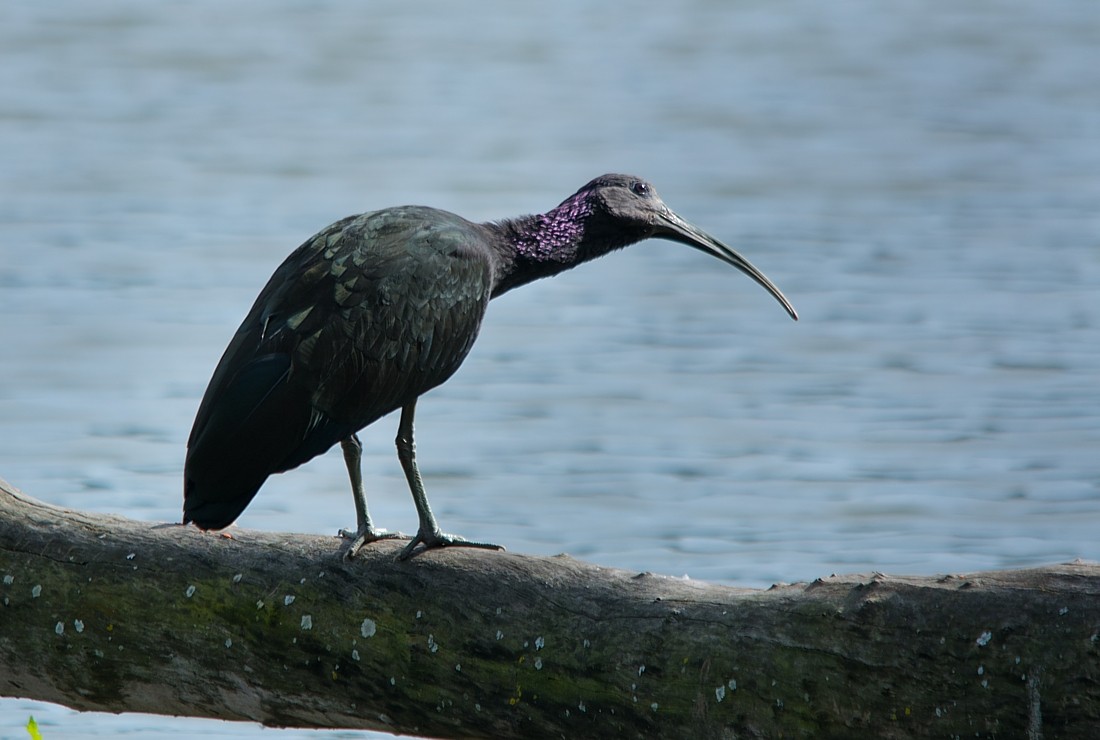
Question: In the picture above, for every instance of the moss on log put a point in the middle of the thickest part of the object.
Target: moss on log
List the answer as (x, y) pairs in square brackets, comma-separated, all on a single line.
[(106, 613)]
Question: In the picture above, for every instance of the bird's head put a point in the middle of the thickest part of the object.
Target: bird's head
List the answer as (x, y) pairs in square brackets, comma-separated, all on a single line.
[(623, 209)]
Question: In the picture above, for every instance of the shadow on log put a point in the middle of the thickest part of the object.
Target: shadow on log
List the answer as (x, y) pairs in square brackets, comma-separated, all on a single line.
[(110, 614)]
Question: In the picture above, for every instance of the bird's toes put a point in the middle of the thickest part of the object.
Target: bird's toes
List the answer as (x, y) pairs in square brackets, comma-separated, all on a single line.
[(433, 539), (371, 534), (364, 536)]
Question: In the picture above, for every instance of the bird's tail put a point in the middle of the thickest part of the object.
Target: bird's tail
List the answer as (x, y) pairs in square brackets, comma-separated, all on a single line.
[(216, 505)]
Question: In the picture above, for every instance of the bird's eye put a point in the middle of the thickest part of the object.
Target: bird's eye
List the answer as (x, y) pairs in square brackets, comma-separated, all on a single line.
[(640, 188)]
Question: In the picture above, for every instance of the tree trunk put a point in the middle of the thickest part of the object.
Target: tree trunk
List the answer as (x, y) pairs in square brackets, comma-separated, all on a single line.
[(110, 614)]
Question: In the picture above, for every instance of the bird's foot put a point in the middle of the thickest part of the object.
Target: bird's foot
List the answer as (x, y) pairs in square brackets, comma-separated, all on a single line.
[(435, 538), (365, 536)]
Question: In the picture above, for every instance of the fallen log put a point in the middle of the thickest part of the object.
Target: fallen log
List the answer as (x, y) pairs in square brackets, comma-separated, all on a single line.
[(106, 613)]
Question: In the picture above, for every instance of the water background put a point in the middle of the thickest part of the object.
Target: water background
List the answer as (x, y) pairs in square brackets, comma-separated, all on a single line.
[(923, 183)]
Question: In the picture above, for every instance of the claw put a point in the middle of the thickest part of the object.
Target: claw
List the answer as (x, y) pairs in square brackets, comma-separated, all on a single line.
[(435, 538), (365, 536)]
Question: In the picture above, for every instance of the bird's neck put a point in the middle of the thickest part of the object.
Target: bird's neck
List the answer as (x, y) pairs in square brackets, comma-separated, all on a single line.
[(533, 247)]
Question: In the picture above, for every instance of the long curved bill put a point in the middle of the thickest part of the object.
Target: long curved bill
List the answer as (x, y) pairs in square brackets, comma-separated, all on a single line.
[(670, 226)]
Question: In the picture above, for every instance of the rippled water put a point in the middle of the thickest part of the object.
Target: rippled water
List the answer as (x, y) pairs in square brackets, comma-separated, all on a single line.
[(922, 185)]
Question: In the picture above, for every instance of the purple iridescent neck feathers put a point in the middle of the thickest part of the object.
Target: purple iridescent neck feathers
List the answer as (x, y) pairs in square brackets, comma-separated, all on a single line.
[(554, 236), (579, 229)]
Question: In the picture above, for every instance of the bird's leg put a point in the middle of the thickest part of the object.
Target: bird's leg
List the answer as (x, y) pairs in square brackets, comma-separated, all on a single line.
[(429, 533), (365, 532)]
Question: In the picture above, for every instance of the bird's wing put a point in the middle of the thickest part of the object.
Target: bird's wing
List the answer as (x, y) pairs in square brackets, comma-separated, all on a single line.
[(408, 291), (247, 371), (358, 321)]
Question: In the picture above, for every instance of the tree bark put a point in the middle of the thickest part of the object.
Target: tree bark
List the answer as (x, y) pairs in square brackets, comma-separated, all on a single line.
[(105, 613)]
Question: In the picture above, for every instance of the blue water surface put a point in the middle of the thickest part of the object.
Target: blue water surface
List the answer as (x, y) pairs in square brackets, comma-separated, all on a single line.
[(921, 182)]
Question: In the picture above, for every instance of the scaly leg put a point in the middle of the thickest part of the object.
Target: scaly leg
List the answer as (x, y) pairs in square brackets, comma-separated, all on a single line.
[(365, 532), (429, 533)]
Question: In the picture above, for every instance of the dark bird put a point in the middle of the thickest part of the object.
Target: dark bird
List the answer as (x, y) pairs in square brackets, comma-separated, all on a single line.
[(376, 310)]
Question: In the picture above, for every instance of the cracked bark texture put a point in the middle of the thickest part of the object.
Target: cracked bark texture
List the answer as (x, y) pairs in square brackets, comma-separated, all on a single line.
[(105, 613)]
